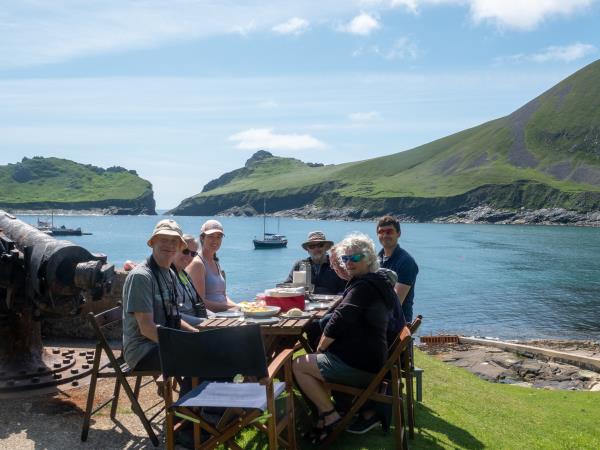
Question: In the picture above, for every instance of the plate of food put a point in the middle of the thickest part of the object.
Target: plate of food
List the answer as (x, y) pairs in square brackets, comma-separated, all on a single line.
[(260, 311), (246, 304), (322, 298), (296, 313), (229, 314)]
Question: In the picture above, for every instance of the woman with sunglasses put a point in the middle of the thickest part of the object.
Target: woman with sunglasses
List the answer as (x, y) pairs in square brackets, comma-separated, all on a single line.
[(205, 271), (353, 347), (191, 305)]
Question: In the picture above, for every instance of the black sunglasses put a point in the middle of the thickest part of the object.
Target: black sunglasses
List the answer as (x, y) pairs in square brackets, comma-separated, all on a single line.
[(321, 245), (187, 251)]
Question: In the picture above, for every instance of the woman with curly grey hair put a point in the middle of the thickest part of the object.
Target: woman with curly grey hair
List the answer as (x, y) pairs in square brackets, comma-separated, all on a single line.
[(353, 347)]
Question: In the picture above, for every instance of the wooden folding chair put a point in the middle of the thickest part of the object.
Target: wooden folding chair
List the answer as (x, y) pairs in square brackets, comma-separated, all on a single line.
[(224, 354), (119, 370), (409, 375), (392, 368)]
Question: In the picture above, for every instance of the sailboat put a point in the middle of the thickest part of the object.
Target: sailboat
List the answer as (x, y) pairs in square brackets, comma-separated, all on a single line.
[(49, 228), (269, 240)]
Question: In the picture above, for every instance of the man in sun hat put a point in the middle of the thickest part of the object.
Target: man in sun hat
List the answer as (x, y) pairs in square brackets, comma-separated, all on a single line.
[(324, 278), (150, 298)]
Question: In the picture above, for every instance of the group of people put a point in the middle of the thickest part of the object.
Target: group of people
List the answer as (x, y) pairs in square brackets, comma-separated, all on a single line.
[(181, 282)]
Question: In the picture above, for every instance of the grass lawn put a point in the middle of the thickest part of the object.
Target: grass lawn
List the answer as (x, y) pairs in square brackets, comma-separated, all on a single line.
[(460, 411)]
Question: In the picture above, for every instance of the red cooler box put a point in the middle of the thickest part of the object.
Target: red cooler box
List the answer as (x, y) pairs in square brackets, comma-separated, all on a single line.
[(285, 298)]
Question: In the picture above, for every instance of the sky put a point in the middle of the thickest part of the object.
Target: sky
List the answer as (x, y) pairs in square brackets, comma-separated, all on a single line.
[(185, 90)]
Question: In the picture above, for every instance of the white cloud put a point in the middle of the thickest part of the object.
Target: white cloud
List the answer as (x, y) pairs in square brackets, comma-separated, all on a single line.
[(523, 14), (565, 53), (553, 53), (363, 116), (403, 48), (363, 25), (511, 14), (264, 138), (295, 26)]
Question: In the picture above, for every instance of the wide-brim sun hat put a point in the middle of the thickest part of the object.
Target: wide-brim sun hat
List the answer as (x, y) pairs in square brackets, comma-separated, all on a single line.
[(211, 227), (167, 227), (317, 237)]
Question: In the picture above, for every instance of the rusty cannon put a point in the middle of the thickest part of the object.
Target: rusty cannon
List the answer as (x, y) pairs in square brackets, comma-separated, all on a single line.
[(41, 277)]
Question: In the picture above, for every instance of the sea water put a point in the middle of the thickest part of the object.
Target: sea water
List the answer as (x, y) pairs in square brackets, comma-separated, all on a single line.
[(506, 281)]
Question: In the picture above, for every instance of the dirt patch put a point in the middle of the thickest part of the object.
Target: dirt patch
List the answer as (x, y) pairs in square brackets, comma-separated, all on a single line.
[(500, 366)]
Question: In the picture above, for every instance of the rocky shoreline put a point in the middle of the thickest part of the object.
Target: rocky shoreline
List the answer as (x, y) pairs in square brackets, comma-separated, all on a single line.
[(546, 216), (479, 215), (522, 368)]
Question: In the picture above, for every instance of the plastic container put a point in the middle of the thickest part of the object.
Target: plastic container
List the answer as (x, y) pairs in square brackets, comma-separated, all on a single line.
[(285, 298)]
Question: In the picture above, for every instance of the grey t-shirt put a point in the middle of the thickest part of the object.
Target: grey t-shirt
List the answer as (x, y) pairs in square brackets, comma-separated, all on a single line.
[(141, 294)]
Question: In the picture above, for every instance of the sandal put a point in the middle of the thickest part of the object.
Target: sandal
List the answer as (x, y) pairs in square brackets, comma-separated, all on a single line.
[(316, 430), (324, 432)]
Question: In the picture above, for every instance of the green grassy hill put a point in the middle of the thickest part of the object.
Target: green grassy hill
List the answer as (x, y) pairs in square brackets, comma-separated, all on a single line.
[(545, 154), (45, 183)]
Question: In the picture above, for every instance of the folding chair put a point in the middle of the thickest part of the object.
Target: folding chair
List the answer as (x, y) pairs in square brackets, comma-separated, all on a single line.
[(119, 370), (392, 368), (412, 372), (224, 354)]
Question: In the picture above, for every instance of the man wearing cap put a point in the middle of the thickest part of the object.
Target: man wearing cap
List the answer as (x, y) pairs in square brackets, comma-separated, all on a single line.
[(400, 261), (150, 298), (324, 278)]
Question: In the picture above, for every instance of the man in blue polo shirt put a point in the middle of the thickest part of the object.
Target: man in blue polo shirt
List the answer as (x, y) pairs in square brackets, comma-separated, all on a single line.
[(399, 260)]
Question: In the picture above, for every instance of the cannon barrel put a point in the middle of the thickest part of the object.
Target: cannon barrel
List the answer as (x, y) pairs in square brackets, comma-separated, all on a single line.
[(40, 277), (55, 271)]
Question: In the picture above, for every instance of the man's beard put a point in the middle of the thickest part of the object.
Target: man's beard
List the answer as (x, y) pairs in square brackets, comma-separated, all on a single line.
[(319, 259)]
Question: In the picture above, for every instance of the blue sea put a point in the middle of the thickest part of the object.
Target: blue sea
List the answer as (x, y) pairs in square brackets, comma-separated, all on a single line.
[(504, 281)]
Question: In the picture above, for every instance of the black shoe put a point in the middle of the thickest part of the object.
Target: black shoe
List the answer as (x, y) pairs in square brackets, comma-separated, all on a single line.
[(362, 425)]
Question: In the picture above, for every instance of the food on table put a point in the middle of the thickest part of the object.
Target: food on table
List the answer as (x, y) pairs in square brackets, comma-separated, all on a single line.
[(256, 308), (295, 312)]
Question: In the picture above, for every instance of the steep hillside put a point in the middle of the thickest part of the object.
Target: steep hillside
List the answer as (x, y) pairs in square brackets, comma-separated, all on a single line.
[(545, 154), (53, 183)]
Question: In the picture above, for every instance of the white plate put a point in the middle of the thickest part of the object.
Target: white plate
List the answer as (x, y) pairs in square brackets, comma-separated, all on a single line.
[(262, 320), (268, 311), (228, 314), (305, 315), (318, 305), (322, 298)]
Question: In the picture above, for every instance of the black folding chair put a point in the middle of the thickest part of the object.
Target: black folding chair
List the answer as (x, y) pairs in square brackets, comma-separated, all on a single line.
[(115, 368), (224, 354)]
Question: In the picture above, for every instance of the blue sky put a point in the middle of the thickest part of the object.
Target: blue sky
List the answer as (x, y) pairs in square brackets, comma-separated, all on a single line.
[(184, 90)]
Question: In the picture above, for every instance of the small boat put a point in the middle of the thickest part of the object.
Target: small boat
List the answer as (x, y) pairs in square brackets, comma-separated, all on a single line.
[(269, 240), (50, 229)]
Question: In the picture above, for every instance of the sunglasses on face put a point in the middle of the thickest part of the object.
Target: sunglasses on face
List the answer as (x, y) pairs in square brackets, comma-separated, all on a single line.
[(386, 231), (315, 245), (189, 252), (357, 257)]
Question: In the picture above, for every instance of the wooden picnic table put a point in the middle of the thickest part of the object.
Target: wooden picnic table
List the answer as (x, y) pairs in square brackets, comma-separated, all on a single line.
[(283, 334)]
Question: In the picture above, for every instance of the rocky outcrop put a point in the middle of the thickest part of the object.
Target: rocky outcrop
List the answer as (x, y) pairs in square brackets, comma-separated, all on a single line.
[(545, 216), (521, 202), (145, 204)]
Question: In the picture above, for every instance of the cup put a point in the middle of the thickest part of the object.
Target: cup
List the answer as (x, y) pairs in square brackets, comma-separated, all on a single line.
[(299, 277)]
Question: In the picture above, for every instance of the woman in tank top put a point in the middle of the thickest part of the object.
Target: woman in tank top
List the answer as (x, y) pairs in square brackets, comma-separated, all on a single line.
[(205, 271)]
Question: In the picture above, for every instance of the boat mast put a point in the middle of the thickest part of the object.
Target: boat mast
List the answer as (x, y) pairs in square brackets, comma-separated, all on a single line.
[(264, 218)]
